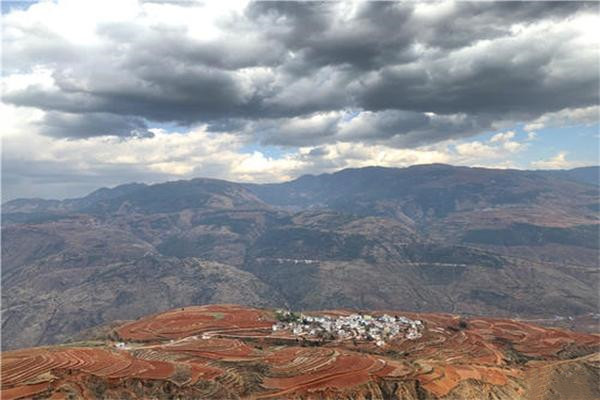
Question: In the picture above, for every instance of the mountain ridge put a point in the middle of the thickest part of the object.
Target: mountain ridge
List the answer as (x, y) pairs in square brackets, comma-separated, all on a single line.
[(593, 171), (428, 238)]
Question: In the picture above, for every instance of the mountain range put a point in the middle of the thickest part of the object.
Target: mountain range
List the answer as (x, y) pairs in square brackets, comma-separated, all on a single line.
[(429, 238)]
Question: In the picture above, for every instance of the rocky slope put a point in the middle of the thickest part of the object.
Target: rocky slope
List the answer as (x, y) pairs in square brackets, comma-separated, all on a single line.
[(227, 351), (428, 238)]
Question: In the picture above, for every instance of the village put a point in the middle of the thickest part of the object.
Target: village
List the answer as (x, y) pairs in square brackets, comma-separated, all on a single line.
[(358, 327)]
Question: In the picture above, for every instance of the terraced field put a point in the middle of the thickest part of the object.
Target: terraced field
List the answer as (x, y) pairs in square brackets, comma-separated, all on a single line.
[(228, 351), (41, 371), (189, 321)]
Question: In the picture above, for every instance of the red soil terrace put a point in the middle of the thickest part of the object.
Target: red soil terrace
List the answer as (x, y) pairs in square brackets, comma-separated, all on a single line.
[(189, 321), (227, 351)]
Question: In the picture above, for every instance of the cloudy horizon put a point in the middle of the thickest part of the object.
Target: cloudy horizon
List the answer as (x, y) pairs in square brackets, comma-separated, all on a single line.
[(101, 93)]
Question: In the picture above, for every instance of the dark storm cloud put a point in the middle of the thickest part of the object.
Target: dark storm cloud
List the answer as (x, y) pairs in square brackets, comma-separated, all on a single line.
[(373, 37), (299, 131), (186, 94), (528, 11), (81, 126), (400, 128), (318, 152), (473, 21), (279, 68), (505, 81)]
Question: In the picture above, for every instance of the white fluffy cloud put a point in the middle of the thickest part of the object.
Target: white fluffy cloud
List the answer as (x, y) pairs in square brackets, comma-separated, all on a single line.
[(568, 116), (198, 152), (559, 161), (497, 151)]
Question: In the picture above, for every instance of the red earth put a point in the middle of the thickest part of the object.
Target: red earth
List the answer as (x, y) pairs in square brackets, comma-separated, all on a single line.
[(230, 351)]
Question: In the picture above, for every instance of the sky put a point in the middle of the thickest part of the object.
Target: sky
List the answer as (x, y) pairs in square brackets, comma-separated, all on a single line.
[(101, 93)]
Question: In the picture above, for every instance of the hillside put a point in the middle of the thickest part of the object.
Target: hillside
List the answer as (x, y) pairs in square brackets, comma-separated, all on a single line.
[(227, 351), (427, 238)]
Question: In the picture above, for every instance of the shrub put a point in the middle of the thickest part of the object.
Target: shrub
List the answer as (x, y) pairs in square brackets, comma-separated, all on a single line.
[(287, 316)]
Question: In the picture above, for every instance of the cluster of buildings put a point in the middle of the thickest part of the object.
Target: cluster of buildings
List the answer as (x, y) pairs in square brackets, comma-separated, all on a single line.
[(295, 261), (353, 327)]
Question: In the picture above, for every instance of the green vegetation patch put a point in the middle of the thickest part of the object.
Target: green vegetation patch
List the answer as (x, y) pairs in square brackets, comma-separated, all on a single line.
[(217, 315), (287, 316)]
